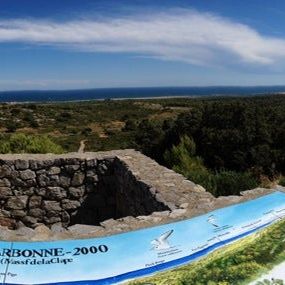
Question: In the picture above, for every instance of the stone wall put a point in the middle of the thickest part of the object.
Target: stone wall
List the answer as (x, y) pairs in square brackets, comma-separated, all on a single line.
[(79, 195), (73, 189)]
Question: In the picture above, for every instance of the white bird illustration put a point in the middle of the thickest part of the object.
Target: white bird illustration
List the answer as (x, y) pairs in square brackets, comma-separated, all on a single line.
[(162, 242), (212, 220)]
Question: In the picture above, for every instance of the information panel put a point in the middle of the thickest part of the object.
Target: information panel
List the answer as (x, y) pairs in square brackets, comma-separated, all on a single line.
[(117, 258)]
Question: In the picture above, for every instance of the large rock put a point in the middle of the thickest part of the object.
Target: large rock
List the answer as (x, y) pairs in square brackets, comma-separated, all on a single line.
[(40, 164), (76, 192), (91, 163), (70, 204), (54, 170), (27, 174), (30, 220), (5, 182), (51, 206), (56, 193), (17, 202), (52, 220), (57, 228), (43, 180), (42, 232), (64, 181), (21, 164), (38, 213), (24, 191), (40, 191), (16, 181), (7, 222), (5, 171), (78, 179), (35, 202), (71, 168), (18, 213), (177, 213), (65, 218), (24, 232), (5, 192)]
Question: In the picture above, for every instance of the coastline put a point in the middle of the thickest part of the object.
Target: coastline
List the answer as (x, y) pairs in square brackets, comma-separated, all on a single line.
[(135, 93), (194, 96), (102, 99)]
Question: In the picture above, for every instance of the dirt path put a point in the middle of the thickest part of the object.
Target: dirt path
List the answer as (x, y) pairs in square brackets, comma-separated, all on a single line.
[(82, 146)]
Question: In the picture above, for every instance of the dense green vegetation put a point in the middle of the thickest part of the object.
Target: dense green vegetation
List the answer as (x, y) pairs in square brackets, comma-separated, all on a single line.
[(239, 142), (183, 159), (21, 143), (225, 144), (235, 264)]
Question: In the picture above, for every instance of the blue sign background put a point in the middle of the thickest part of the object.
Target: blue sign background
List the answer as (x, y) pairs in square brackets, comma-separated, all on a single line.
[(113, 259)]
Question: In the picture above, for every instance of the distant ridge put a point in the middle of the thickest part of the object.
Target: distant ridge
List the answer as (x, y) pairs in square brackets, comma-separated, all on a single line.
[(134, 92)]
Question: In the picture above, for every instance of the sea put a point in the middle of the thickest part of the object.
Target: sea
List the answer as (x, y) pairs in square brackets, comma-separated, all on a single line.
[(133, 93)]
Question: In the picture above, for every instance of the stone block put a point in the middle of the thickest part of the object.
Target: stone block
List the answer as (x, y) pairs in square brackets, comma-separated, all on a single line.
[(91, 163), (42, 232), (35, 202), (57, 228), (27, 174), (38, 213), (16, 181), (30, 220), (21, 164), (7, 222), (40, 191), (70, 169), (56, 193), (77, 192), (78, 179), (54, 170), (65, 218), (26, 232), (178, 213), (5, 192), (5, 171), (51, 206), (18, 213), (52, 220), (5, 182), (43, 180), (24, 191), (70, 204), (31, 183), (17, 202), (64, 181)]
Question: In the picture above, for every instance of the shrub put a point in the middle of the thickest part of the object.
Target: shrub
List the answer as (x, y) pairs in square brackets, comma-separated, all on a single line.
[(20, 143), (182, 159), (11, 127), (130, 125), (232, 182)]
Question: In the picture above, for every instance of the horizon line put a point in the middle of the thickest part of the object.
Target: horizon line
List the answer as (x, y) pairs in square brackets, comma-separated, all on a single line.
[(140, 87)]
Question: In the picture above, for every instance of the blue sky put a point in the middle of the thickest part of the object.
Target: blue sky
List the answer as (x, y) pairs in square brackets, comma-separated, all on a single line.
[(67, 44)]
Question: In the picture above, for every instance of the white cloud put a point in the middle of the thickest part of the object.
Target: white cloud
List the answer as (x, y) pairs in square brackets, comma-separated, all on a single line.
[(189, 36)]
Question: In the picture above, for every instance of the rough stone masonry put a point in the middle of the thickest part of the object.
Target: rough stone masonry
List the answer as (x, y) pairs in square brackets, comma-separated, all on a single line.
[(79, 195)]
